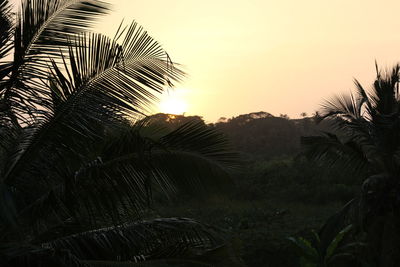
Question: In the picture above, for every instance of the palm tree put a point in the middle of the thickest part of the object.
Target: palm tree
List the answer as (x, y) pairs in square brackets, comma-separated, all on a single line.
[(78, 163), (366, 144)]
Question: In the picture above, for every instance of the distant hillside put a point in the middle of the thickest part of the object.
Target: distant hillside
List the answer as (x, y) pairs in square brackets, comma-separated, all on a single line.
[(257, 134)]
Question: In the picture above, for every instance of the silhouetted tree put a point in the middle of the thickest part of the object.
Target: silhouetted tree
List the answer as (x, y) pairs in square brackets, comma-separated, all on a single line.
[(172, 121), (367, 144), (284, 116), (74, 175), (262, 135)]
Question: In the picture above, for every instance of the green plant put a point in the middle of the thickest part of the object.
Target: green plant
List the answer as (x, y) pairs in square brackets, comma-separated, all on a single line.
[(315, 254)]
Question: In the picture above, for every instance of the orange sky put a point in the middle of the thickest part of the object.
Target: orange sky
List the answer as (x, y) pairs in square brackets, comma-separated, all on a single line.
[(277, 56), (281, 56)]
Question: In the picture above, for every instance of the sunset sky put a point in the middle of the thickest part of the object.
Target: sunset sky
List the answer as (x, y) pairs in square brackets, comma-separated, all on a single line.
[(261, 55)]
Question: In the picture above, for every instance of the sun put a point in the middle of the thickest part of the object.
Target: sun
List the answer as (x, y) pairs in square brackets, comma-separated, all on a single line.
[(173, 102)]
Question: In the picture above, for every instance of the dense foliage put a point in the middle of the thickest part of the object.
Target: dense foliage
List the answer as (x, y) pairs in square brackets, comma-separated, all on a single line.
[(277, 194), (367, 146), (79, 163)]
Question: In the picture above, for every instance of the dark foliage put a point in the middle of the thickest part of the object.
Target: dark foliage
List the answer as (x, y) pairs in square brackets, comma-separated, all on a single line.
[(78, 163), (366, 146)]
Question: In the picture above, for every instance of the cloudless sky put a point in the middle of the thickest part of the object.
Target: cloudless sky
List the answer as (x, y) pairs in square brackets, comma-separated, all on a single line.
[(281, 56)]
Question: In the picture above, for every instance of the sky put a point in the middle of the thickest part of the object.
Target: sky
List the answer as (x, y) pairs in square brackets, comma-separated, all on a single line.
[(282, 57)]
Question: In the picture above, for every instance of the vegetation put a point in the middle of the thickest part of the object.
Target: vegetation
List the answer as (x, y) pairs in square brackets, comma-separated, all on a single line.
[(79, 166), (353, 161), (367, 146), (276, 196), (313, 254), (88, 179)]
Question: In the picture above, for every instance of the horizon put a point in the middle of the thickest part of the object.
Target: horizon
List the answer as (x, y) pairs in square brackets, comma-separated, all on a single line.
[(280, 57)]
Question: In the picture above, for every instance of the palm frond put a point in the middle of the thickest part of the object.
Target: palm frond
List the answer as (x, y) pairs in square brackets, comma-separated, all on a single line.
[(43, 29), (204, 140), (343, 107), (101, 86), (385, 94), (193, 156), (332, 153), (370, 119), (120, 180), (351, 115), (120, 79), (6, 30), (44, 26), (144, 240), (364, 100), (189, 173), (219, 256), (9, 139), (150, 263)]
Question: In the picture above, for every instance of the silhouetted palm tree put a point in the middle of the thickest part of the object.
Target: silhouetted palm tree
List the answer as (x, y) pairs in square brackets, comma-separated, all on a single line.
[(366, 144), (78, 164)]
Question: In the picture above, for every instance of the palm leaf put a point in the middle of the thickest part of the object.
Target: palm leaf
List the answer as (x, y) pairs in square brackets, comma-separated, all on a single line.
[(306, 248), (336, 241), (364, 99), (154, 239), (6, 27), (150, 263), (43, 28), (119, 182), (385, 94), (329, 151), (133, 164), (132, 73), (6, 31), (206, 140), (100, 88), (192, 157)]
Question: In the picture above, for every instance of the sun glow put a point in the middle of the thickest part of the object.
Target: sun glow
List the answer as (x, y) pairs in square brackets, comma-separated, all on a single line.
[(172, 102)]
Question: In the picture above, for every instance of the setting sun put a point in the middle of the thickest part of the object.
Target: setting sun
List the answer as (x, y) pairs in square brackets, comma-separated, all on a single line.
[(172, 102)]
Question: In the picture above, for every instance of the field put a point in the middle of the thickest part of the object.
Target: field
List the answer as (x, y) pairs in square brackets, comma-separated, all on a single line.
[(276, 199)]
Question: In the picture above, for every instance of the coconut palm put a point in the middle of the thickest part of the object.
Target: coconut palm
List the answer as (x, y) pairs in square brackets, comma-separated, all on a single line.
[(366, 128), (366, 144), (78, 163)]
